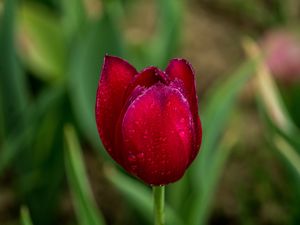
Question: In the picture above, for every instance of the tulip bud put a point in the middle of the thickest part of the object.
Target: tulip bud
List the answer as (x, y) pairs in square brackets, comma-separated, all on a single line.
[(148, 121), (282, 50)]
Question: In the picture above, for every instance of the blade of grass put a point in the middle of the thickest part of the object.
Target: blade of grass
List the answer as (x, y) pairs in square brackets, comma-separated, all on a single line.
[(12, 146), (288, 152), (45, 156), (202, 202), (14, 143), (85, 205), (204, 173), (285, 132), (219, 107), (268, 91), (2, 129), (25, 216), (13, 87)]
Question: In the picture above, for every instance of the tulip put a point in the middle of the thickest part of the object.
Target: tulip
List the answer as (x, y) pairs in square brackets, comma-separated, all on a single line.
[(282, 50), (148, 121)]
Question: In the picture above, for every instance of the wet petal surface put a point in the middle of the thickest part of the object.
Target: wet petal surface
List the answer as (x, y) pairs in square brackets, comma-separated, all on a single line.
[(157, 135), (116, 75), (182, 76)]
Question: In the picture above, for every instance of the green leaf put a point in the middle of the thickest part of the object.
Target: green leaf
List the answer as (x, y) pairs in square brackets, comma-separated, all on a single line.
[(42, 44), (290, 154), (85, 205), (139, 196), (219, 107), (14, 143), (269, 94), (73, 16), (45, 156), (11, 147), (205, 171), (284, 134), (98, 39), (25, 216), (13, 87), (2, 128), (201, 203)]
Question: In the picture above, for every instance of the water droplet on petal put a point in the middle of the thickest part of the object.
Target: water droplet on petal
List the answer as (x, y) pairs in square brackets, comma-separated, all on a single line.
[(182, 134), (131, 158), (140, 155)]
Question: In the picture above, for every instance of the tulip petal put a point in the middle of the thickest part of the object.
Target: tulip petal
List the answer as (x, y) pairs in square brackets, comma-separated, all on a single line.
[(147, 77), (143, 80), (157, 132), (182, 75), (116, 75)]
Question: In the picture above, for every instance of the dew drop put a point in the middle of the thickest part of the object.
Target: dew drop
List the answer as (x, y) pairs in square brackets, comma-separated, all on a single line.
[(132, 131), (182, 134), (140, 155), (145, 136), (131, 158), (163, 139)]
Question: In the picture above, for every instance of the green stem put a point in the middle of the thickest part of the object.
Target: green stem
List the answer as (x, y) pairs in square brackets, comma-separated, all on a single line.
[(159, 205)]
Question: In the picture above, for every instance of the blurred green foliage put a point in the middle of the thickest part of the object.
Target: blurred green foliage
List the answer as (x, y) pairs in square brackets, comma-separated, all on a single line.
[(25, 216), (85, 206), (50, 57)]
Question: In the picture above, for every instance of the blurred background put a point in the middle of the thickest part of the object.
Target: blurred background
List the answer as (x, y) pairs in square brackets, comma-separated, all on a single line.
[(246, 54)]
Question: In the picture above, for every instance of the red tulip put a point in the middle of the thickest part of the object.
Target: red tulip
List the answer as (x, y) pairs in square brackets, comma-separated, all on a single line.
[(148, 121)]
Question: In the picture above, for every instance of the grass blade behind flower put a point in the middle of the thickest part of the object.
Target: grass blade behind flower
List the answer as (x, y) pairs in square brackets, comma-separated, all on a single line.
[(99, 38), (204, 173), (25, 216), (84, 203)]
